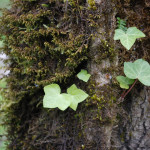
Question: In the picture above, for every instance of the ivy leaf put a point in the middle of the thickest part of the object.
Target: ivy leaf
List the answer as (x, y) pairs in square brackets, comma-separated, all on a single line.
[(53, 98), (76, 95), (124, 81), (83, 75), (3, 83), (129, 37), (140, 70)]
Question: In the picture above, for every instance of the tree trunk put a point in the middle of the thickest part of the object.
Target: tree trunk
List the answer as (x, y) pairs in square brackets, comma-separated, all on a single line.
[(103, 121)]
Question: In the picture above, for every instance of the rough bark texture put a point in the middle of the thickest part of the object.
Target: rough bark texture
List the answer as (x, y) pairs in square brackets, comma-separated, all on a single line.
[(133, 133), (103, 121), (137, 128)]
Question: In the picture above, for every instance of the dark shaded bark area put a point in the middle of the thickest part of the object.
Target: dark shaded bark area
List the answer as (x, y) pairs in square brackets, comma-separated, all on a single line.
[(103, 121)]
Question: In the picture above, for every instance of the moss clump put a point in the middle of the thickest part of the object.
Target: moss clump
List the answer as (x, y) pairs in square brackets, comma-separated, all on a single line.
[(103, 51), (92, 4), (102, 102), (46, 42)]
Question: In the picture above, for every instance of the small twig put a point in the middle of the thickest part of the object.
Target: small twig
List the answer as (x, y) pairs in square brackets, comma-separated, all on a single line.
[(129, 89)]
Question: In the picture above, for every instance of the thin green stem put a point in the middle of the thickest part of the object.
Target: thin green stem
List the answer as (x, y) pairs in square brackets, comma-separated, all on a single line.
[(129, 89)]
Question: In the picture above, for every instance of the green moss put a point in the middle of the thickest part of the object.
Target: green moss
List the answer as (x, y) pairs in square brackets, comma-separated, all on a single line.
[(44, 45), (105, 50), (92, 4), (102, 102)]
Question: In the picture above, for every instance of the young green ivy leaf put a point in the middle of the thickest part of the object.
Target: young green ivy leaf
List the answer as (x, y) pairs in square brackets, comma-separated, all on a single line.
[(140, 69), (129, 37), (53, 97), (124, 81), (83, 75), (76, 95)]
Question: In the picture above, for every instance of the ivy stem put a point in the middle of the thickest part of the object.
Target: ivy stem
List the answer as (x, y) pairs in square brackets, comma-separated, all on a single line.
[(123, 93), (123, 96)]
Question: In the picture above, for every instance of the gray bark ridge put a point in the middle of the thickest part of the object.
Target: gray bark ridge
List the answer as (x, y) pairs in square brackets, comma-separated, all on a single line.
[(137, 129)]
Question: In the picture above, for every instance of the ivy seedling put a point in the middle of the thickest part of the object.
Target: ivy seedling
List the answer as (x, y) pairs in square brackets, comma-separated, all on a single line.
[(76, 96), (138, 70), (83, 75), (124, 81), (53, 97), (128, 38)]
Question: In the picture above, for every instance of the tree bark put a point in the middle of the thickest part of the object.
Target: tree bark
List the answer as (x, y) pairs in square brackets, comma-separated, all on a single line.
[(103, 121)]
